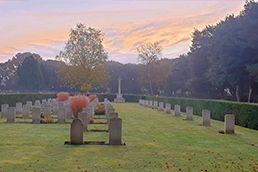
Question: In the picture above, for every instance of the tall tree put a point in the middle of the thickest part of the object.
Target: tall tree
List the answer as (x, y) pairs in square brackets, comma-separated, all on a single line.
[(85, 58), (152, 72), (29, 75)]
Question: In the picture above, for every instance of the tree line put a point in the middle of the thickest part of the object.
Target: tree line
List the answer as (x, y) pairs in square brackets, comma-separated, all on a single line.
[(222, 63)]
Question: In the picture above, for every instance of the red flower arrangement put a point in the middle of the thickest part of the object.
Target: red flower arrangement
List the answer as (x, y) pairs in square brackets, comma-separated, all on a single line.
[(63, 96), (77, 103)]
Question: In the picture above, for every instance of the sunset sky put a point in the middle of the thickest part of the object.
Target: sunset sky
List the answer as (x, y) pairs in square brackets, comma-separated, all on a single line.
[(42, 27)]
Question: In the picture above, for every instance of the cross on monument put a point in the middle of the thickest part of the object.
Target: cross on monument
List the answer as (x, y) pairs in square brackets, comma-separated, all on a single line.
[(119, 85)]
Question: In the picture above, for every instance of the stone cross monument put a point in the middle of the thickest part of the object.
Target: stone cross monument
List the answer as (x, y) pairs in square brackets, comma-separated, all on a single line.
[(119, 97)]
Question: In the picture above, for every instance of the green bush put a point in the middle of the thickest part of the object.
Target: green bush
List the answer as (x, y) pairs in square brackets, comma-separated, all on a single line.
[(246, 114)]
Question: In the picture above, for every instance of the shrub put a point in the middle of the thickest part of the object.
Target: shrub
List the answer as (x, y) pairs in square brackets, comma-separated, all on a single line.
[(92, 97), (63, 96), (100, 111), (77, 103), (91, 121), (101, 106), (49, 119)]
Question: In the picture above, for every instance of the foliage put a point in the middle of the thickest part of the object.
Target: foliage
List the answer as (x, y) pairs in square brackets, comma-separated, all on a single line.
[(48, 119), (91, 121), (85, 57), (128, 72), (92, 97), (29, 75), (100, 111), (101, 106), (63, 96), (149, 52), (78, 102), (154, 74)]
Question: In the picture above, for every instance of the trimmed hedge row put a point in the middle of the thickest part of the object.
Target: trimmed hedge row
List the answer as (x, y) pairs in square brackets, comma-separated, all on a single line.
[(246, 114), (12, 99)]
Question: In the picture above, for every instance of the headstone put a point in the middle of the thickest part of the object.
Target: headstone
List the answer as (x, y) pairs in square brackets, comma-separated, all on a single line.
[(11, 111), (60, 104), (177, 110), (88, 111), (229, 124), (189, 113), (83, 116), (146, 103), (115, 131), (155, 105), (4, 110), (26, 111), (18, 108), (36, 115), (68, 112), (140, 101), (150, 104), (29, 103), (161, 106), (47, 111), (168, 108), (206, 115), (49, 101), (112, 115), (37, 104), (76, 132), (61, 115), (55, 108)]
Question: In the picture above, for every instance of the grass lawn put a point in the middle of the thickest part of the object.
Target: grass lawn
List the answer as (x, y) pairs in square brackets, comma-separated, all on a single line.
[(155, 141)]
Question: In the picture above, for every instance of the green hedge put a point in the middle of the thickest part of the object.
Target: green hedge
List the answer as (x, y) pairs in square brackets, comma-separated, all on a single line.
[(12, 99), (128, 98), (246, 114)]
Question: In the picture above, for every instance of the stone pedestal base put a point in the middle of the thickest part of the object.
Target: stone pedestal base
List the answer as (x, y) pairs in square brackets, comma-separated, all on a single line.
[(119, 99)]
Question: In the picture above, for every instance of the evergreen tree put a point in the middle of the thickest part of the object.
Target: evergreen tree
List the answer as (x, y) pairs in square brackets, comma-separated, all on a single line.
[(29, 75)]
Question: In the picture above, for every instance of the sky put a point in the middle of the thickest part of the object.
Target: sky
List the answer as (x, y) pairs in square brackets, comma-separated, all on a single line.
[(42, 26)]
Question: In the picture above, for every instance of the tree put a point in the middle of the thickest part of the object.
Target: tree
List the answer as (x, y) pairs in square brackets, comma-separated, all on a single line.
[(149, 52), (29, 75), (151, 71), (85, 57)]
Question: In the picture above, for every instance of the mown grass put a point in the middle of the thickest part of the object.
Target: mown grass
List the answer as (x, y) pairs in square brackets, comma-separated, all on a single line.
[(155, 141)]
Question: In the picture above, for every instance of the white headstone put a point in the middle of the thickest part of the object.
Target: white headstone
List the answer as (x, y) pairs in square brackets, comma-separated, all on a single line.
[(47, 110), (61, 115), (177, 110), (115, 131), (155, 105), (36, 115), (76, 132), (168, 108), (161, 106), (189, 113), (4, 110), (19, 108), (229, 124), (150, 104), (11, 111), (206, 116), (83, 116), (26, 111)]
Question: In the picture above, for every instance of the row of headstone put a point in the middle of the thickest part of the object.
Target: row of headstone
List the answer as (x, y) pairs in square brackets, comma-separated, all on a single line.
[(229, 119), (114, 124), (79, 125)]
